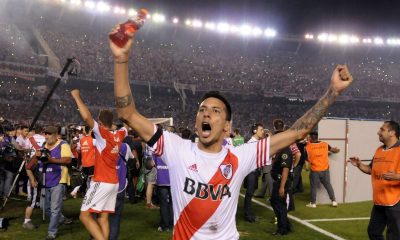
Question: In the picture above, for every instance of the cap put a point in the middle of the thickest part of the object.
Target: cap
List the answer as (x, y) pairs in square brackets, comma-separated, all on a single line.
[(51, 130)]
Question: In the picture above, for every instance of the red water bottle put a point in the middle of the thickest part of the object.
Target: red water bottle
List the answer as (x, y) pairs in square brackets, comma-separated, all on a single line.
[(132, 25)]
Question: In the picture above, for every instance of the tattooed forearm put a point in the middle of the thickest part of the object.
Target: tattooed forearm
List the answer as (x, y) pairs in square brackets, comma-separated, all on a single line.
[(121, 102), (312, 117)]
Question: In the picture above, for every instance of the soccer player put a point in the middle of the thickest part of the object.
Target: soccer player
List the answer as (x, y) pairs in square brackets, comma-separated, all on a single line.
[(101, 196), (206, 177)]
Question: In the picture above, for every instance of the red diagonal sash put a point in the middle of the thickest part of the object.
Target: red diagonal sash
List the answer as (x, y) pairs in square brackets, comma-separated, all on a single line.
[(34, 143), (198, 211)]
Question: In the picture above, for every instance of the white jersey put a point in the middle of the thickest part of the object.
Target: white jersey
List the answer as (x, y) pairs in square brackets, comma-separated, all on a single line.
[(38, 140), (205, 187), (23, 142)]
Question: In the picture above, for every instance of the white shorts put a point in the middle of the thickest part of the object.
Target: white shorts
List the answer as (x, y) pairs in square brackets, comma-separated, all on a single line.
[(100, 198)]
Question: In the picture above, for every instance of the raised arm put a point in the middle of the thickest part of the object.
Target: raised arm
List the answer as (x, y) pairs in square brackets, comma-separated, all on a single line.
[(83, 110), (124, 103), (340, 80)]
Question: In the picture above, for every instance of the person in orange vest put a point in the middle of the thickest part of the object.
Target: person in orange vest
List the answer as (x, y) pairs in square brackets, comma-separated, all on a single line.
[(385, 176), (87, 149), (317, 152)]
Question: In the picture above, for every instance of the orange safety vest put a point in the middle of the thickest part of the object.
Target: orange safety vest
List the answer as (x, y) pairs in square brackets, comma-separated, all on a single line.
[(88, 151), (318, 156), (385, 193)]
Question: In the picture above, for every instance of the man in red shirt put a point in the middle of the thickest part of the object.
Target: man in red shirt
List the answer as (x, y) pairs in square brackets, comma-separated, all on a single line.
[(102, 193)]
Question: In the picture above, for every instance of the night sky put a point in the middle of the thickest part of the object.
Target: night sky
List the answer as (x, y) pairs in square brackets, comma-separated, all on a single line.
[(289, 16)]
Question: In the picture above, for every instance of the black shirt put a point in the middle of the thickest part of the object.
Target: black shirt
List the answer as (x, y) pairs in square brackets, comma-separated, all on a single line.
[(283, 159)]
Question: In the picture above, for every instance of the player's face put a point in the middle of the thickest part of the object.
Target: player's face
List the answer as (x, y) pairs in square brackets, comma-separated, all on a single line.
[(211, 124), (25, 132), (384, 133), (260, 132)]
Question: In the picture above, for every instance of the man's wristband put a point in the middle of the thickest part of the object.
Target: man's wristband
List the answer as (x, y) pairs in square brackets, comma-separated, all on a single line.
[(121, 62)]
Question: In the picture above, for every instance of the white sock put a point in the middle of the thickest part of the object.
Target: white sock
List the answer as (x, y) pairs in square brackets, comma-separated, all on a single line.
[(27, 220), (76, 189)]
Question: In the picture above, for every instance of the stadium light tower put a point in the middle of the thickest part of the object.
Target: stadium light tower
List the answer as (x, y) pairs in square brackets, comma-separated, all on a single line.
[(175, 20)]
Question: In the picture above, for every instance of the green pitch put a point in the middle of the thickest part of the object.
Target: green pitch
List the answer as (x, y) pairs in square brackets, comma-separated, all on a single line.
[(140, 223)]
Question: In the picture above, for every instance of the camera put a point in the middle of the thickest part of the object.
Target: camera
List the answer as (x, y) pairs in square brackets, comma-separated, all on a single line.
[(8, 153), (44, 155)]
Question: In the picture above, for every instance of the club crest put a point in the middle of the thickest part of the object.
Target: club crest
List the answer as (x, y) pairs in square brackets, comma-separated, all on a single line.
[(226, 170)]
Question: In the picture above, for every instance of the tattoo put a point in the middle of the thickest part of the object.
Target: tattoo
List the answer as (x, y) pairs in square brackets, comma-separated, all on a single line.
[(121, 102), (312, 117)]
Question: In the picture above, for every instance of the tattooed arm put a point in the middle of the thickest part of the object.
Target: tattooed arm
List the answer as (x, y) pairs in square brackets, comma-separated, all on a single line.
[(341, 79), (124, 103), (83, 110)]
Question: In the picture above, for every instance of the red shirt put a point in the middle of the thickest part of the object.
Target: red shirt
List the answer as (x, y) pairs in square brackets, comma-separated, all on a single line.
[(107, 150)]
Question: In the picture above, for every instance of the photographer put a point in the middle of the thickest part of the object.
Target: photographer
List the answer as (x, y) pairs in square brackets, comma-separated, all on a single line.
[(9, 159), (52, 160)]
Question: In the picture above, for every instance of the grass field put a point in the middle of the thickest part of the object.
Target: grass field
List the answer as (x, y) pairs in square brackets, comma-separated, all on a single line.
[(140, 223)]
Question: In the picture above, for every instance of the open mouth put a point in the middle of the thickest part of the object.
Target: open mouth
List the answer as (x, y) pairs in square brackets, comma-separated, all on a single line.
[(205, 126), (205, 129)]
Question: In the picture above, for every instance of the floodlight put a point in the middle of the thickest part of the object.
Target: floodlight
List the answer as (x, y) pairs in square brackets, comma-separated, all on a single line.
[(175, 20), (210, 25), (157, 17), (132, 12), (103, 7), (223, 27), (323, 37), (234, 29), (269, 32), (188, 22), (257, 31), (90, 4), (197, 23), (378, 41), (309, 36), (245, 30)]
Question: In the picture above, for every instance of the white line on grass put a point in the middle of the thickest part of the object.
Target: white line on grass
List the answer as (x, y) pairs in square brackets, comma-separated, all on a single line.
[(307, 224), (336, 219)]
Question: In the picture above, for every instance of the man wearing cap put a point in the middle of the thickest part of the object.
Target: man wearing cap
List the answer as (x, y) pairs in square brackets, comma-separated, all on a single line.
[(55, 178)]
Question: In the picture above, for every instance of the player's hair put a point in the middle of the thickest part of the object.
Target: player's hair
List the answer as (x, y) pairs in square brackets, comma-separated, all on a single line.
[(186, 133), (217, 95), (106, 117), (255, 126), (279, 125), (38, 129), (394, 126), (23, 127), (236, 131), (87, 129)]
